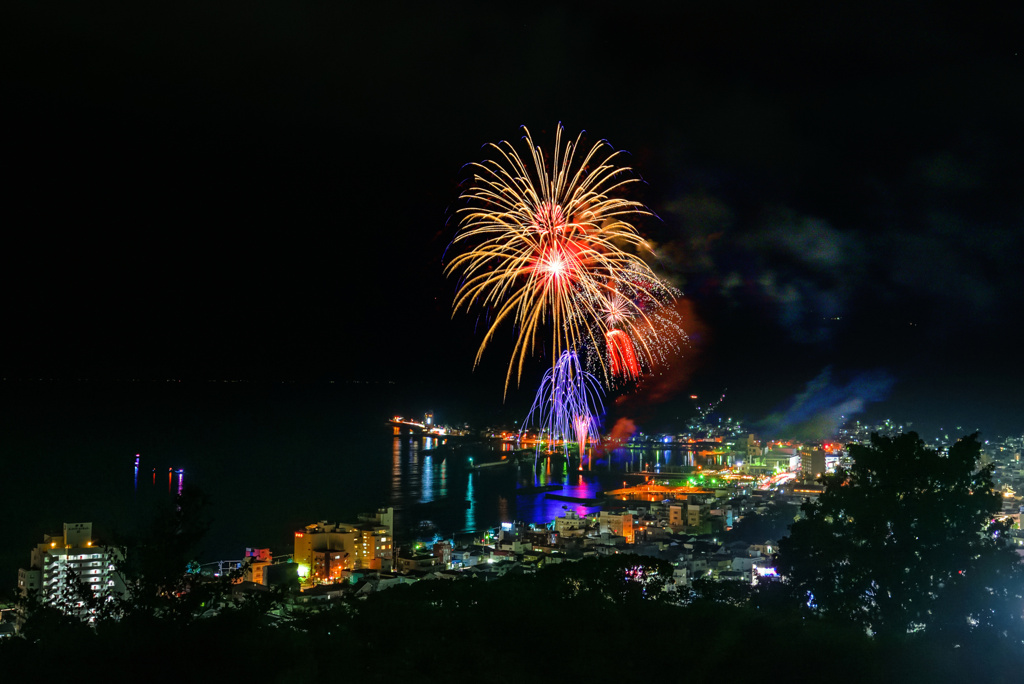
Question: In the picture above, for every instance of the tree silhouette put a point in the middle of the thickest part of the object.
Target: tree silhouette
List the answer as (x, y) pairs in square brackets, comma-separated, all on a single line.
[(758, 528), (907, 540)]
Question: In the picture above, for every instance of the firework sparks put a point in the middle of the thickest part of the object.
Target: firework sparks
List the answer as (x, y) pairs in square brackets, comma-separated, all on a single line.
[(641, 329), (566, 406), (545, 245), (622, 355)]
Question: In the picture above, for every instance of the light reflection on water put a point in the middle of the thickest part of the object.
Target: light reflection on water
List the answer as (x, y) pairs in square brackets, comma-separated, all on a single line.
[(655, 460), (304, 452), (470, 524), (434, 485), (428, 480)]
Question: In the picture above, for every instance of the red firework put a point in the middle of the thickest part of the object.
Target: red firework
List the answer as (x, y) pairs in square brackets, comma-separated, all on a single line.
[(623, 362)]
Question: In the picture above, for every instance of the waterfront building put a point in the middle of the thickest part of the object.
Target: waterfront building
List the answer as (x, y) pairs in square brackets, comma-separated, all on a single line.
[(325, 550), (443, 551), (570, 524), (72, 572), (312, 543)]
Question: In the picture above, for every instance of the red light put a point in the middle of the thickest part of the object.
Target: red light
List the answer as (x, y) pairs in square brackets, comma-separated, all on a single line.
[(622, 353)]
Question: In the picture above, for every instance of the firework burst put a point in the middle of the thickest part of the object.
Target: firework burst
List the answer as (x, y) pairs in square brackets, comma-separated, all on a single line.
[(567, 406), (546, 243), (639, 329)]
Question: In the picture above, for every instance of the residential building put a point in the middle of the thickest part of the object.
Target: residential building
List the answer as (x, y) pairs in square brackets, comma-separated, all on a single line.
[(72, 572), (619, 525)]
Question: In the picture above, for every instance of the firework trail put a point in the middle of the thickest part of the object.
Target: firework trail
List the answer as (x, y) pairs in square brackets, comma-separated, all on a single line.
[(545, 245), (641, 330), (622, 361), (567, 406)]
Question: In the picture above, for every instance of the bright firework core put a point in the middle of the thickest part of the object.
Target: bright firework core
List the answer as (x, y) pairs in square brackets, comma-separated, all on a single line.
[(553, 264), (616, 309), (558, 265), (545, 243)]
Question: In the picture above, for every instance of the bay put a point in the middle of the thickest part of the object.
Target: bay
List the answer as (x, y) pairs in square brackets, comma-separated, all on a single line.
[(271, 458)]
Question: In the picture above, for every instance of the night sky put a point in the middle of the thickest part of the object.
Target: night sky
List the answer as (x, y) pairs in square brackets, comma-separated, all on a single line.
[(264, 191)]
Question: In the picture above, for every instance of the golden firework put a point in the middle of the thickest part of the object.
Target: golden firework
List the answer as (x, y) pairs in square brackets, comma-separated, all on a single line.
[(546, 242)]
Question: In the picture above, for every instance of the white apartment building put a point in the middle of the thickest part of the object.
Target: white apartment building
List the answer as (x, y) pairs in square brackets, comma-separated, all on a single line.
[(72, 571)]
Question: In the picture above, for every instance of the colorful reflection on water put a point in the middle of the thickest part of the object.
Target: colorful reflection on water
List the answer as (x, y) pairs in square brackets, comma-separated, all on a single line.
[(317, 452), (538, 507), (171, 472), (433, 485)]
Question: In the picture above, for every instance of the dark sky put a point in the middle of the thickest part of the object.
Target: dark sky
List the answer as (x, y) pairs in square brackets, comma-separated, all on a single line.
[(263, 190)]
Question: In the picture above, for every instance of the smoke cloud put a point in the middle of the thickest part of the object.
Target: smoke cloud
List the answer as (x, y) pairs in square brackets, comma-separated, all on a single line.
[(823, 406), (621, 431), (669, 379)]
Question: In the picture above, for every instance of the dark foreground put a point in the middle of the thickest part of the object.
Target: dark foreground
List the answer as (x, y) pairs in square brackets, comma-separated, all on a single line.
[(593, 621)]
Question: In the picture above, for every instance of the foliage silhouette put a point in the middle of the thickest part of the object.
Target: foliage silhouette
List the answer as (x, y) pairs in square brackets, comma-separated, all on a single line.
[(773, 524), (907, 541)]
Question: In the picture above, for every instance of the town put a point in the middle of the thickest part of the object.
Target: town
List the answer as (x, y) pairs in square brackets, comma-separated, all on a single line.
[(719, 523)]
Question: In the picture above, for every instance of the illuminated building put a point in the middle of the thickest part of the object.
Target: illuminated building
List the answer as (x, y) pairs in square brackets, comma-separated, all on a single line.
[(753, 448), (570, 525), (675, 517), (812, 464), (375, 545), (325, 550), (71, 571), (443, 550), (696, 514), (378, 539), (419, 562), (801, 491), (313, 543), (261, 559), (619, 525), (782, 459)]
